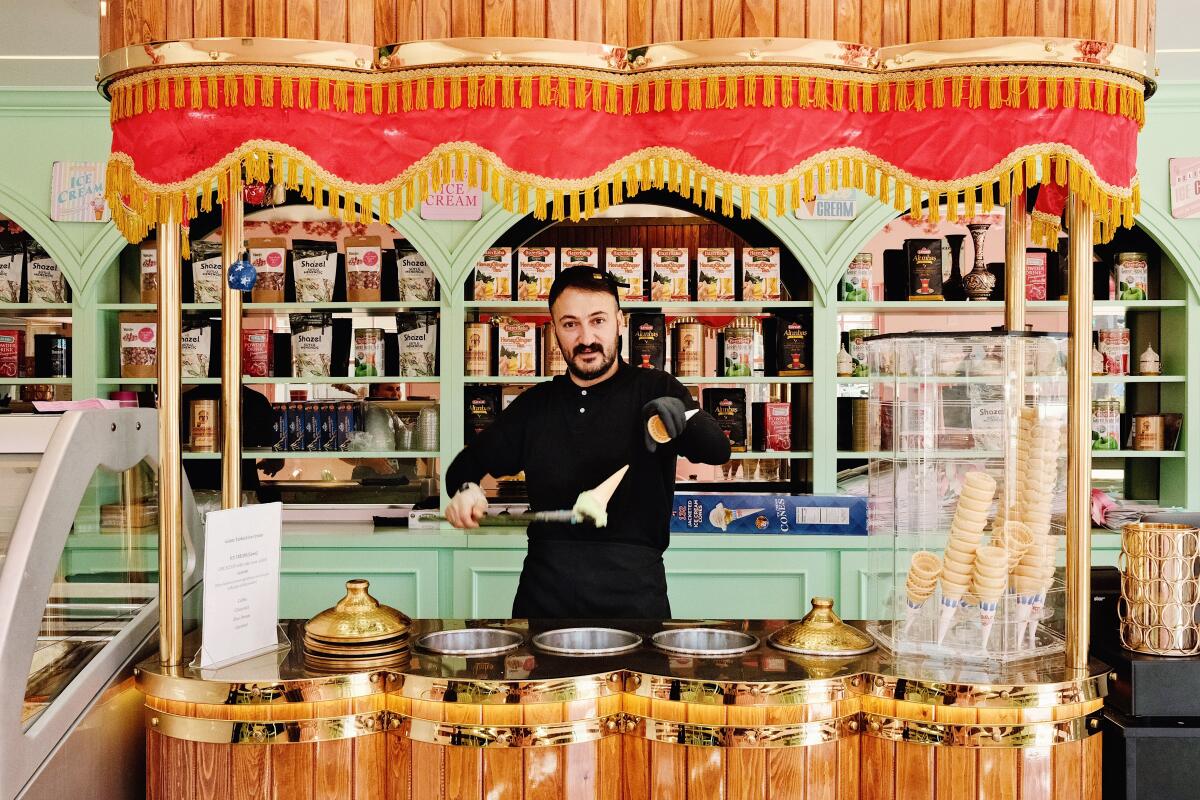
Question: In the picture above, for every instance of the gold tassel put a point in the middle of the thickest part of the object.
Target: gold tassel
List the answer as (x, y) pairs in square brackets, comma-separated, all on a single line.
[(785, 84), (231, 91), (778, 198), (868, 97), (645, 168), (852, 100), (1052, 92), (883, 191), (731, 91), (1031, 171), (859, 176), (1006, 183), (603, 203), (726, 199), (805, 92), (710, 197), (1014, 91), (1060, 169), (266, 91), (627, 99), (762, 203), (823, 172), (508, 90), (287, 92), (1069, 93), (919, 94), (952, 206), (277, 168), (439, 92), (576, 213), (290, 181), (821, 92), (249, 85), (939, 92), (994, 92), (597, 95), (618, 188), (526, 91), (660, 94), (421, 103), (935, 207), (341, 96), (901, 98), (472, 90), (360, 97), (839, 88), (768, 85), (885, 95), (975, 96), (211, 80), (1018, 182), (642, 96), (407, 100), (712, 93), (564, 92), (808, 191), (956, 91), (393, 97), (1046, 168), (969, 202), (695, 96), (177, 89), (1033, 86), (794, 196), (989, 201)]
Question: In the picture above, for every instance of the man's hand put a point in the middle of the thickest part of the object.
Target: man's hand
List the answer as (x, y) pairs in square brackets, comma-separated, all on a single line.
[(467, 507), (271, 466), (673, 414)]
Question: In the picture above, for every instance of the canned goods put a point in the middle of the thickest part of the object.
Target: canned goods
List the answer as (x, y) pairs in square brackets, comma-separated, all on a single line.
[(743, 347), (52, 355), (478, 343), (688, 351), (856, 346), (1132, 276), (368, 352), (1106, 424), (1148, 431), (856, 285), (1114, 347), (204, 426), (554, 363)]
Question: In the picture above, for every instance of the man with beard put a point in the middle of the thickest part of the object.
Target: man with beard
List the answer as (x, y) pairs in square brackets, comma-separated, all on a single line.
[(571, 433)]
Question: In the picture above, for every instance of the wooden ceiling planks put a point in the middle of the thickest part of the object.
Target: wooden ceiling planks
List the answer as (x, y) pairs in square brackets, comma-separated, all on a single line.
[(626, 22)]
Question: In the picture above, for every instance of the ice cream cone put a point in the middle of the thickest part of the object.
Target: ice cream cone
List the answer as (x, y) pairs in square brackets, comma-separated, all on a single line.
[(593, 503), (722, 517), (658, 430), (925, 563)]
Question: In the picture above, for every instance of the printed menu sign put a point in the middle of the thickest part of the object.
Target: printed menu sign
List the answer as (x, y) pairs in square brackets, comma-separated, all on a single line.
[(241, 583), (77, 192)]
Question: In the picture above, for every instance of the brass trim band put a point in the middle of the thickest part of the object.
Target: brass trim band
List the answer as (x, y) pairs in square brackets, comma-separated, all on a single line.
[(802, 734), (555, 734), (783, 693), (532, 52), (966, 695), (559, 690), (591, 687), (226, 693), (219, 731), (1036, 734)]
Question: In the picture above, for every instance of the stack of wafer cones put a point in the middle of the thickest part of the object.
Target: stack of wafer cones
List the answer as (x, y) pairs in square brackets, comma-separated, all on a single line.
[(966, 534), (923, 573), (1039, 445), (989, 579)]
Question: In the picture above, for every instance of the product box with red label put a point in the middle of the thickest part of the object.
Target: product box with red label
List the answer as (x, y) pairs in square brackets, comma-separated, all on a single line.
[(1037, 273), (12, 352), (771, 427), (579, 257), (717, 512)]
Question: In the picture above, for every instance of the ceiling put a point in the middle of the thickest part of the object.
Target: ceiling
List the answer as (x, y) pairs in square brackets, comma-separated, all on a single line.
[(53, 42)]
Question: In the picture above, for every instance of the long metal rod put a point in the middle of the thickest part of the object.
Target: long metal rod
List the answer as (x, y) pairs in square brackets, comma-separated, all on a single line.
[(170, 482), (1015, 244), (1079, 436), (231, 347)]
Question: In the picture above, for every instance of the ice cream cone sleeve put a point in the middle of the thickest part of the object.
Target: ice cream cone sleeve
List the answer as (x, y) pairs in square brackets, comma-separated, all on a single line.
[(949, 607)]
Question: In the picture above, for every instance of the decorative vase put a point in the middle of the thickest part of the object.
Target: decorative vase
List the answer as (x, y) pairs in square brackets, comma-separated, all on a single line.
[(952, 289), (979, 283)]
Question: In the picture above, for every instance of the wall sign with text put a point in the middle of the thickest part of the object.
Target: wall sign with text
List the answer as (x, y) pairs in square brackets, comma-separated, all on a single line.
[(77, 192)]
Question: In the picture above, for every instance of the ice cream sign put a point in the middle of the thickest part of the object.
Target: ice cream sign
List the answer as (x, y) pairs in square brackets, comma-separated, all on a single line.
[(455, 201), (77, 192)]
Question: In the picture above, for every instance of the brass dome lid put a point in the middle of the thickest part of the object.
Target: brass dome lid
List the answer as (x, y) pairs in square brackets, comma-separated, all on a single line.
[(822, 633), (358, 617)]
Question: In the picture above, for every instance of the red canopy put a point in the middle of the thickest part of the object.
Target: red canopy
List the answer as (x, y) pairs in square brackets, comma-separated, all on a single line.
[(564, 142)]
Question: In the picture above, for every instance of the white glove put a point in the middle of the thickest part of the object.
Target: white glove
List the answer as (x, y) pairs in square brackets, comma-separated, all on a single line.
[(467, 507)]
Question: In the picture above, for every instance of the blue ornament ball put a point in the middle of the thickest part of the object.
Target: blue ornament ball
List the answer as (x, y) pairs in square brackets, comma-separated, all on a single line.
[(242, 275)]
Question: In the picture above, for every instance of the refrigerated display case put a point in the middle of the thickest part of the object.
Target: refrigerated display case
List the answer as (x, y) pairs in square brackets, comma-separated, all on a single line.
[(79, 598)]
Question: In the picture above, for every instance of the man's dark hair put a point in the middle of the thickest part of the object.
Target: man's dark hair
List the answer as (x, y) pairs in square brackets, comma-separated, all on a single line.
[(588, 279)]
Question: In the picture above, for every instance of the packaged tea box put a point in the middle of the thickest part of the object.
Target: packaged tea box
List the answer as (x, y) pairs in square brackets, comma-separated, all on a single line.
[(1037, 274), (207, 272), (12, 266), (924, 260), (314, 270), (648, 340), (364, 268), (716, 275), (579, 257), (417, 281), (493, 275), (1132, 276), (148, 259), (268, 256), (139, 345), (481, 406), (669, 268), (760, 273), (856, 283), (258, 352), (627, 266), (517, 347), (417, 333), (771, 428), (196, 346), (535, 272), (728, 408), (12, 352), (793, 343), (46, 281), (312, 345)]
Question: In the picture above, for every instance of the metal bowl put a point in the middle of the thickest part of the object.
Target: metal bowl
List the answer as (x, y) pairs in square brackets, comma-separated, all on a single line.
[(587, 641), (704, 642), (471, 642)]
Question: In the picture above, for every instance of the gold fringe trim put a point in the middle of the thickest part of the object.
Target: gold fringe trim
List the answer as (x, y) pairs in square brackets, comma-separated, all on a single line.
[(1044, 229), (138, 205), (694, 88)]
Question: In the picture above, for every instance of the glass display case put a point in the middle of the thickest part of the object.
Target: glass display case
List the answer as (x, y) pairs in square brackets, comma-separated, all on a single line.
[(967, 494), (79, 594)]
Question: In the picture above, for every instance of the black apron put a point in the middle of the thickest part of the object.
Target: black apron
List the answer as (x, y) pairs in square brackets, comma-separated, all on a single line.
[(591, 580)]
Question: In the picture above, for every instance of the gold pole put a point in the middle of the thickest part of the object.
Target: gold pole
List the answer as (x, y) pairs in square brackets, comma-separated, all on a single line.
[(1079, 436), (170, 483), (1015, 243), (231, 348)]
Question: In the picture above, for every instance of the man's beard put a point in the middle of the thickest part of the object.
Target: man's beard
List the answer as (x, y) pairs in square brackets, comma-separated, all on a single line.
[(586, 373)]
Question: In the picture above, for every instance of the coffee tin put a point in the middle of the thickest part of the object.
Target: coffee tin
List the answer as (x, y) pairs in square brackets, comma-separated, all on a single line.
[(478, 342), (1114, 347), (204, 423), (1148, 431), (1132, 276), (687, 355), (741, 338)]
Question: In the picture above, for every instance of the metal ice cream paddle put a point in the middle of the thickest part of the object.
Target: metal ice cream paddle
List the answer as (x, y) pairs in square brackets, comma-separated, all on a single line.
[(591, 506)]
